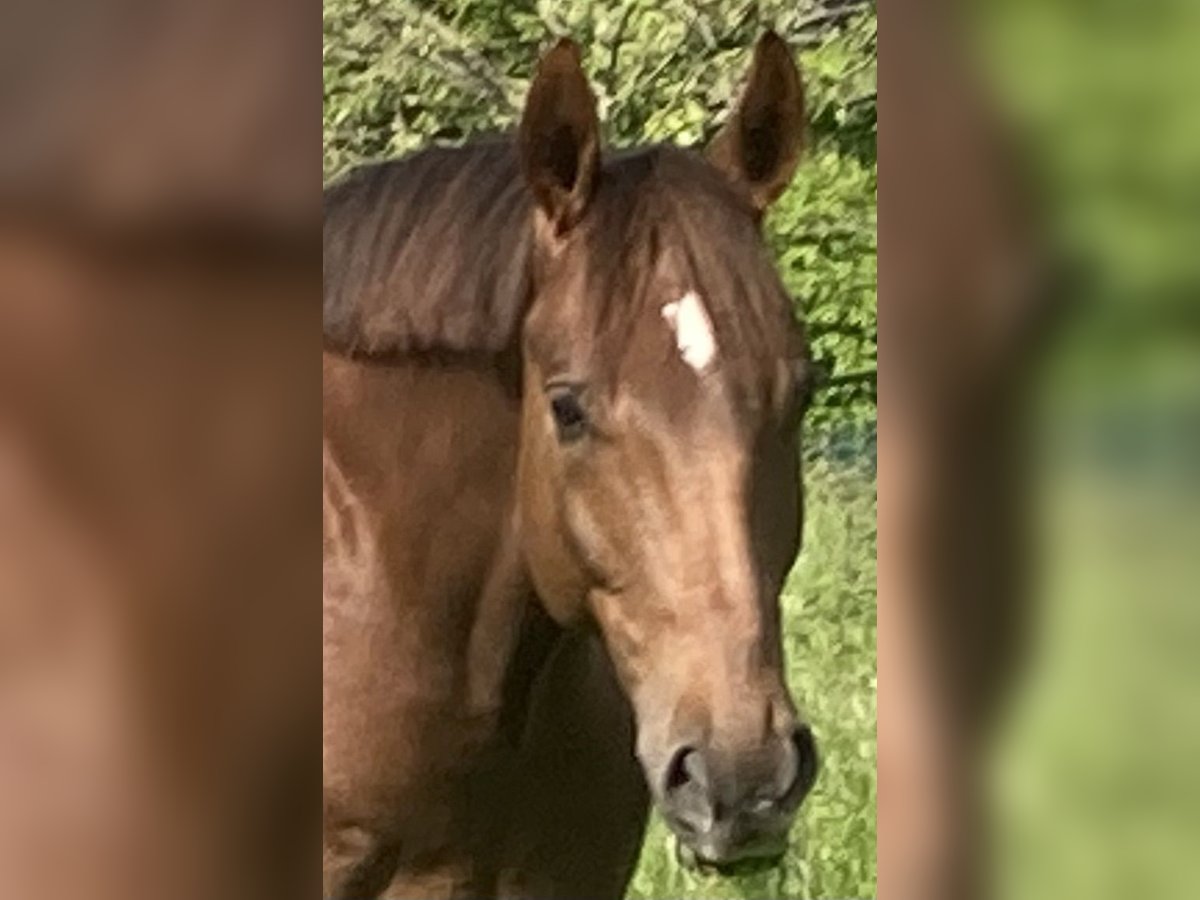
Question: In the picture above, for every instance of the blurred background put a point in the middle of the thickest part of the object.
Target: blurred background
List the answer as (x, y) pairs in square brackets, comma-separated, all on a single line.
[(401, 75), (1040, 436), (159, 544), (1094, 773)]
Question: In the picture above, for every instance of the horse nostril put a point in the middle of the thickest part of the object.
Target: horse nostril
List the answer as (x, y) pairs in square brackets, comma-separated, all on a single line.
[(686, 767), (802, 770)]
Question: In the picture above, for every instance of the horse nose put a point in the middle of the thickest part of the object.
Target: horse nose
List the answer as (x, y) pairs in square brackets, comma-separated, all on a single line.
[(724, 802), (803, 751)]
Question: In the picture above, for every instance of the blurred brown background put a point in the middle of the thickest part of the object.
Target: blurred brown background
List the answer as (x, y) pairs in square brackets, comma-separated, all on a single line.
[(159, 422)]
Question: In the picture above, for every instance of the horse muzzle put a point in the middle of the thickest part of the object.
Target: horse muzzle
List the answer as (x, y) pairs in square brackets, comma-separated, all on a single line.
[(727, 809)]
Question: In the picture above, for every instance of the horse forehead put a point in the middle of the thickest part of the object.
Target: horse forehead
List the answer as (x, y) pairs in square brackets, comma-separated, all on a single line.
[(681, 376)]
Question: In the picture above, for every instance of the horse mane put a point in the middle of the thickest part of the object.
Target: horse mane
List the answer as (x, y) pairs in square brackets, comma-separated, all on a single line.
[(429, 253)]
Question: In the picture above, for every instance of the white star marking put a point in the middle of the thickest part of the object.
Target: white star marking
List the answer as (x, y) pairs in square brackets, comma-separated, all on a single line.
[(693, 329)]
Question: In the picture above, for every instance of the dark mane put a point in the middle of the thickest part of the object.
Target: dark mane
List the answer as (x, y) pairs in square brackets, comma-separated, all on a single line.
[(428, 253), (432, 253)]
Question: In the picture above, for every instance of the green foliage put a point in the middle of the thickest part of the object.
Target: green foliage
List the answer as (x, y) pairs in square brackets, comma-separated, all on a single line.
[(400, 74)]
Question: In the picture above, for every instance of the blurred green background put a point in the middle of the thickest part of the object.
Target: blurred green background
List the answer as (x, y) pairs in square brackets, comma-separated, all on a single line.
[(400, 75), (1095, 779)]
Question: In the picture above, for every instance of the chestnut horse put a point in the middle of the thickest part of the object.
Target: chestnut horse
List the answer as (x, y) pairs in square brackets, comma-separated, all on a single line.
[(561, 496)]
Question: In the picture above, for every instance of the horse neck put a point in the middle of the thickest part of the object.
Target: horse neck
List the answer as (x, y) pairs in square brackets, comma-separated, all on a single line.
[(428, 449)]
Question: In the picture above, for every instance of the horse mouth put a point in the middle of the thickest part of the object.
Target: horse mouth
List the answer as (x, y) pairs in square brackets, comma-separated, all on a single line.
[(749, 860)]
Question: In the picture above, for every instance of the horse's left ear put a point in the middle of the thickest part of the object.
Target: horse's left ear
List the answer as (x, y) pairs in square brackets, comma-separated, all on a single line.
[(560, 137), (759, 147)]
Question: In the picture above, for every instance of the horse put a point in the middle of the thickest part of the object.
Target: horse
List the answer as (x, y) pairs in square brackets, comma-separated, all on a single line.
[(561, 494)]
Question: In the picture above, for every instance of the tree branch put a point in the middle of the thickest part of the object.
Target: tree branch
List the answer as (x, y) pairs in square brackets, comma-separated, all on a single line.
[(867, 378)]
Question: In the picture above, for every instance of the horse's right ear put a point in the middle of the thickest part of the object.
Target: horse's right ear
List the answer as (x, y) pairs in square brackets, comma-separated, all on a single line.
[(560, 137), (760, 145)]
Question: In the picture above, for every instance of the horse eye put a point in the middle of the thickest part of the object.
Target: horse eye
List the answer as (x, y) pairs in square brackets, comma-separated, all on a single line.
[(569, 418)]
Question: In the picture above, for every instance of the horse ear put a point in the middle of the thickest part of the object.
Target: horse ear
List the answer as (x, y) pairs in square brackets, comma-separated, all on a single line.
[(560, 136), (759, 147)]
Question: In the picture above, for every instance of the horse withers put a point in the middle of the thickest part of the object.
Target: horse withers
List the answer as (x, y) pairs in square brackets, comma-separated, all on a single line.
[(562, 399)]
